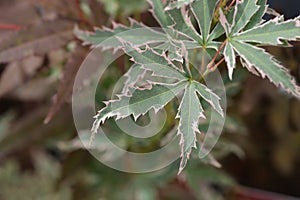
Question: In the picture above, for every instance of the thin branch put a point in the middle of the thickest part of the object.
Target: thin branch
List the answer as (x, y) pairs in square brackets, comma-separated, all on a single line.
[(219, 4), (217, 65), (203, 60), (211, 63), (80, 12), (230, 5), (10, 27)]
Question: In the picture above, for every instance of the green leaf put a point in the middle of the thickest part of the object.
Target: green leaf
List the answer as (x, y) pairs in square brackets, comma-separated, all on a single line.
[(209, 96), (230, 59), (267, 66), (159, 14), (224, 23), (133, 75), (257, 17), (183, 25), (189, 112), (140, 102), (146, 56), (244, 10), (107, 37), (178, 4), (272, 32), (173, 50), (218, 30), (164, 71), (203, 10), (151, 60)]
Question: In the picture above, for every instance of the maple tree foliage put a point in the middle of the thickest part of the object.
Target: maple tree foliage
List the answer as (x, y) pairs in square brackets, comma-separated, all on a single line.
[(235, 31)]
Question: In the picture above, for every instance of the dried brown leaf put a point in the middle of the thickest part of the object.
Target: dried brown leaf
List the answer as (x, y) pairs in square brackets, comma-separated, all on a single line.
[(66, 85), (36, 40), (17, 72)]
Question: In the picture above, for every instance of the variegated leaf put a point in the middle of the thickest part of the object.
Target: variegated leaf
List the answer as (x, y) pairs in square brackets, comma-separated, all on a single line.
[(133, 75), (272, 32), (146, 56), (159, 64), (173, 50), (183, 25), (159, 14), (249, 67), (189, 112), (267, 66), (106, 37), (224, 23), (257, 17), (137, 104), (177, 4), (244, 10), (165, 71), (209, 96), (218, 30), (203, 10), (230, 59)]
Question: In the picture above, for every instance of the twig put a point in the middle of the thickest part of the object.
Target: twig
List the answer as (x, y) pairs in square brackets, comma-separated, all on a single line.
[(10, 27), (80, 12), (220, 4), (203, 60), (210, 64), (217, 65), (230, 5)]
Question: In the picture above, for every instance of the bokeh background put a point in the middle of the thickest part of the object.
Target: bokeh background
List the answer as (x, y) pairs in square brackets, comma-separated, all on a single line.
[(41, 157)]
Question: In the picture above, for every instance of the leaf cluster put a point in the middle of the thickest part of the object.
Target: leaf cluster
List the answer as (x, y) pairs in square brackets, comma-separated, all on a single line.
[(231, 32)]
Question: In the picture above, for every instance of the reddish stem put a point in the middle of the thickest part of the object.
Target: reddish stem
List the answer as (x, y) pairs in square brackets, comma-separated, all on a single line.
[(210, 64), (80, 12), (217, 65), (10, 27), (219, 4), (230, 5)]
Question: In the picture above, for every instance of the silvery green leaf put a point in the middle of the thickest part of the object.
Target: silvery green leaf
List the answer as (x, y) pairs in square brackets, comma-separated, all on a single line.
[(106, 37), (177, 4), (272, 32), (224, 23), (244, 10), (159, 14), (213, 45), (273, 12), (190, 44), (218, 30), (209, 96), (137, 104), (203, 10), (151, 60), (249, 67), (99, 35), (183, 25), (133, 75), (267, 66), (257, 17), (164, 71), (172, 49), (189, 112), (146, 56), (229, 56)]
